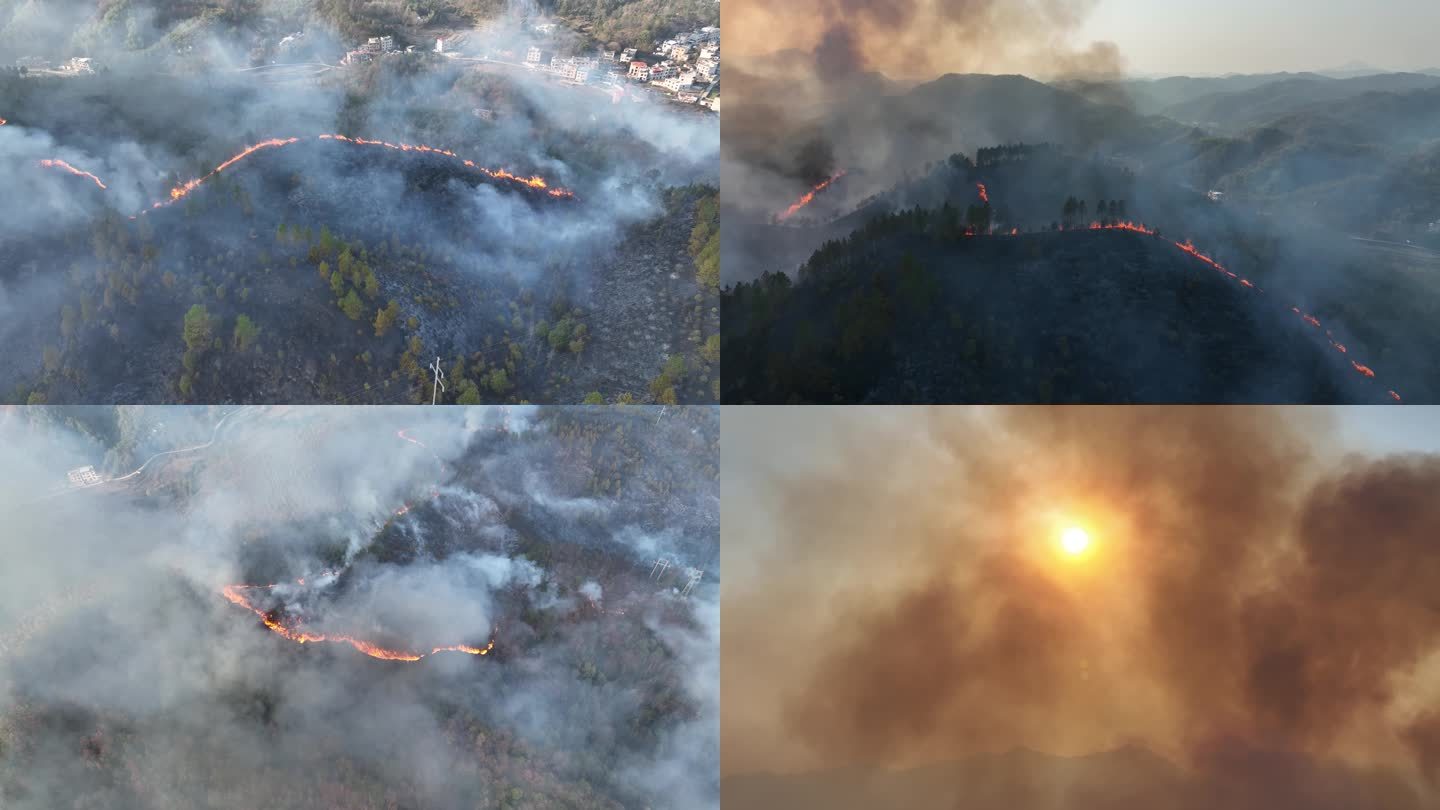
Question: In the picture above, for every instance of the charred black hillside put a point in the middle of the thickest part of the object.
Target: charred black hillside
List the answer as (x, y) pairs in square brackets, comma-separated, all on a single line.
[(901, 313)]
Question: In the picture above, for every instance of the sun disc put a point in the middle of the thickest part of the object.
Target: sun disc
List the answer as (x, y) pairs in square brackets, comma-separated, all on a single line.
[(1074, 540)]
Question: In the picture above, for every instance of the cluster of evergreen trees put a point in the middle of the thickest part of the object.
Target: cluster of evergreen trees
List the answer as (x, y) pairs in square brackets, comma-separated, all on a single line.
[(1075, 212), (1012, 152)]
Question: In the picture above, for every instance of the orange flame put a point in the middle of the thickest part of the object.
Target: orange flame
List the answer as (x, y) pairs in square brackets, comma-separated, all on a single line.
[(536, 182), (809, 196), (1308, 318), (181, 191), (235, 594), (984, 195), (60, 164), (1189, 247), (1122, 226)]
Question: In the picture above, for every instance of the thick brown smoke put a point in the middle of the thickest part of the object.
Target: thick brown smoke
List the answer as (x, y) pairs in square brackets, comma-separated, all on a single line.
[(1250, 589), (809, 91), (921, 39)]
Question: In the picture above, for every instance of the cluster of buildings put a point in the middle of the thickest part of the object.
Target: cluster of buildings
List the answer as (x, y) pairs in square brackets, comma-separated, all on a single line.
[(373, 47), (84, 477), (687, 65), (578, 69)]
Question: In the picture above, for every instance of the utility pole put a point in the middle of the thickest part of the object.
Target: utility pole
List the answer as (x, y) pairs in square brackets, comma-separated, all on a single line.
[(658, 570), (693, 576), (439, 381)]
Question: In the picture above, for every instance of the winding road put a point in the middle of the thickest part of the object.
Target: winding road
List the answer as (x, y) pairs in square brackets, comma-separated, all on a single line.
[(214, 434)]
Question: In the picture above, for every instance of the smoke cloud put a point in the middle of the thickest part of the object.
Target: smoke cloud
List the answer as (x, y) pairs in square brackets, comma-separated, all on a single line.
[(129, 678), (1245, 563), (921, 39), (819, 85)]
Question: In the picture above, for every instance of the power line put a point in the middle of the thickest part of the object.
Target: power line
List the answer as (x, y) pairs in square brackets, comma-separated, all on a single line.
[(439, 381), (693, 577)]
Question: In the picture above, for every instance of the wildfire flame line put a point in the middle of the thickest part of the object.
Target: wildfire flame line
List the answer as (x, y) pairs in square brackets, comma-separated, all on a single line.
[(52, 163), (809, 196), (1189, 247), (535, 181), (236, 595)]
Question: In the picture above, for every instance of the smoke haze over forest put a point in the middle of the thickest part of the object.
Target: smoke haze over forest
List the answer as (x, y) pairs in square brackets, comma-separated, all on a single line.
[(534, 199), (129, 677)]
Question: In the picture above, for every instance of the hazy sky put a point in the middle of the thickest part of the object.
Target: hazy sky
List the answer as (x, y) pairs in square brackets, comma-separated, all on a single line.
[(898, 573), (1249, 36)]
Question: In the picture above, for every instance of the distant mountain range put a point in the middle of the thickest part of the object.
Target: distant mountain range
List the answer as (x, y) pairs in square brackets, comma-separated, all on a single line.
[(1286, 140)]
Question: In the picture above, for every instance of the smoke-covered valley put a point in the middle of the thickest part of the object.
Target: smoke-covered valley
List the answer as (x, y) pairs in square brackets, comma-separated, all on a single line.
[(292, 607), (543, 239), (1319, 190)]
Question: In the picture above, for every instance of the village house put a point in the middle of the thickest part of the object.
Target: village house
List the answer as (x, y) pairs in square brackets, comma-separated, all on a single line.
[(83, 477), (639, 71), (682, 81), (384, 44)]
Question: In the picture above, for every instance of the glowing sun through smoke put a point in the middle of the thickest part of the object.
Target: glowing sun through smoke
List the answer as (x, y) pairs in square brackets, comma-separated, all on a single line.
[(1074, 541)]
